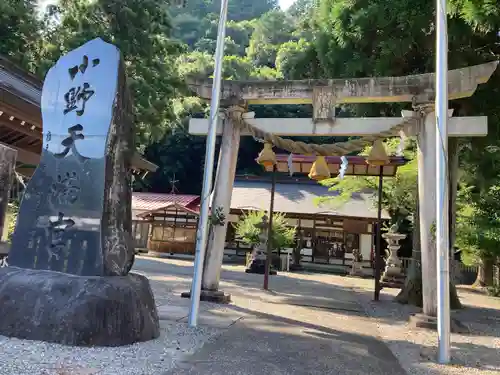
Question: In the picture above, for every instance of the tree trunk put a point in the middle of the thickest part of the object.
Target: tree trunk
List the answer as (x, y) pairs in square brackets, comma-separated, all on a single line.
[(411, 293), (453, 151), (484, 273)]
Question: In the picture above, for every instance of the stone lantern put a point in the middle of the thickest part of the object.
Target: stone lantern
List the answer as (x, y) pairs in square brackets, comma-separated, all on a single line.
[(257, 262), (393, 275)]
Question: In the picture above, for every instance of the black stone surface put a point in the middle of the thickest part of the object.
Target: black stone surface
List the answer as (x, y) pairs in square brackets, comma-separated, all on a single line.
[(75, 216), (76, 310)]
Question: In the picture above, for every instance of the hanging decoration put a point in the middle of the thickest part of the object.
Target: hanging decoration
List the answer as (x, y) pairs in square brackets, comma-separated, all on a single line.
[(378, 155), (402, 143), (290, 164), (267, 157), (319, 170), (343, 167)]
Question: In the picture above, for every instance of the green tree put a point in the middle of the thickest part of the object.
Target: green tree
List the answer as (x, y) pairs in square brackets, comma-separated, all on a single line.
[(478, 231), (20, 32), (140, 29), (238, 10), (200, 65), (399, 194), (177, 153), (296, 59), (246, 231), (271, 30)]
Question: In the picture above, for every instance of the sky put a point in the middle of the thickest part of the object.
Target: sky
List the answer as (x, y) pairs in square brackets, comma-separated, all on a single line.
[(284, 4)]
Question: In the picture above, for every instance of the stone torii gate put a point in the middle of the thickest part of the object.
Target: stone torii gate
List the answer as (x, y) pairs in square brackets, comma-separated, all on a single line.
[(325, 95)]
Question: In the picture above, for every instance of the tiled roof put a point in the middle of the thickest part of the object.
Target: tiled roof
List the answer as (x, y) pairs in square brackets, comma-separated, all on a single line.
[(19, 82), (153, 201), (300, 198), (171, 206)]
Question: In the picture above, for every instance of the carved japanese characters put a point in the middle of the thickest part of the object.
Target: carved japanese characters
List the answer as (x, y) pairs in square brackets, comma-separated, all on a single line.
[(75, 216)]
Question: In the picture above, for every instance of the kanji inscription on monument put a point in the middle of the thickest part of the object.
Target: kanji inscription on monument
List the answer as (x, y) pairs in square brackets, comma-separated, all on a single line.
[(75, 216)]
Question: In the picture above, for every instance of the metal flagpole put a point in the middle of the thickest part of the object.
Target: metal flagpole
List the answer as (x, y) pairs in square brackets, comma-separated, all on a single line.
[(442, 207), (201, 240)]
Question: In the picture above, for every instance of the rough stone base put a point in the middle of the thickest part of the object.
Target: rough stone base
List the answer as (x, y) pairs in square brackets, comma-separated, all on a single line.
[(393, 282), (296, 267), (216, 296), (4, 248), (260, 271), (430, 322), (76, 310)]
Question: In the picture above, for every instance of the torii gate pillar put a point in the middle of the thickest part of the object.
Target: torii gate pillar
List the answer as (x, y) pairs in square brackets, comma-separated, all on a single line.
[(221, 202), (426, 158)]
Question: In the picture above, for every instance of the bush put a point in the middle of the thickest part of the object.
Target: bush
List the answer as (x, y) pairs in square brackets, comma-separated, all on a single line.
[(246, 231), (11, 220)]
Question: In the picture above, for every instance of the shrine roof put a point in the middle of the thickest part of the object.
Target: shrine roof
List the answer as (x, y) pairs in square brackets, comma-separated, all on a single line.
[(301, 199), (150, 202)]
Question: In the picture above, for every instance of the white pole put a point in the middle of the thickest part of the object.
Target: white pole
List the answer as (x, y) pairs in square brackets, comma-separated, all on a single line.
[(442, 204), (201, 238)]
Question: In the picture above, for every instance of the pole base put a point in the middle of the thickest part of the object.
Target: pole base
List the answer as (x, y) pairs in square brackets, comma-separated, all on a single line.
[(430, 322), (215, 296)]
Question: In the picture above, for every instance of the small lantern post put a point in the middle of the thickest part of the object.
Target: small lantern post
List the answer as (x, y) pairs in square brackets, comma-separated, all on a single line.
[(378, 157), (267, 158)]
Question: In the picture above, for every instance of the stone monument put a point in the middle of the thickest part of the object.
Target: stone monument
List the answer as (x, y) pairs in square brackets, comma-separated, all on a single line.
[(393, 276), (71, 251)]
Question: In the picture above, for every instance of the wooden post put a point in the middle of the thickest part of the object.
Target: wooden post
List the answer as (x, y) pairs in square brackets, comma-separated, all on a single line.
[(221, 198), (270, 232)]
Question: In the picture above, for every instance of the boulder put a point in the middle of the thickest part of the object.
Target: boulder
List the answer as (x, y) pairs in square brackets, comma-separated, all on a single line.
[(76, 310)]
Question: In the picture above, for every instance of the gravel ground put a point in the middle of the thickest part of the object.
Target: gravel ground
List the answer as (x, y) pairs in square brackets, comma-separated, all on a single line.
[(23, 357), (176, 341), (416, 349)]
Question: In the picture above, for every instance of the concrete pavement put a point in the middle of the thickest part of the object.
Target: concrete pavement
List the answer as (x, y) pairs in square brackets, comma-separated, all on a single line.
[(263, 345), (306, 325)]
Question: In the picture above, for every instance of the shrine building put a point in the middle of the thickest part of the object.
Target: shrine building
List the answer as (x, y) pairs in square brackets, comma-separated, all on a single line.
[(166, 224)]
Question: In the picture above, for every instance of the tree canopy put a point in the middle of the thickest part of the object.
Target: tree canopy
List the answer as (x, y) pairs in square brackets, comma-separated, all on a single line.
[(163, 45), (20, 32)]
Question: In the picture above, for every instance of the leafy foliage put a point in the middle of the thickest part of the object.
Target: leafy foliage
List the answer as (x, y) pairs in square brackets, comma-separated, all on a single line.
[(399, 194), (20, 32), (479, 224), (140, 29), (162, 45), (12, 212), (283, 235)]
